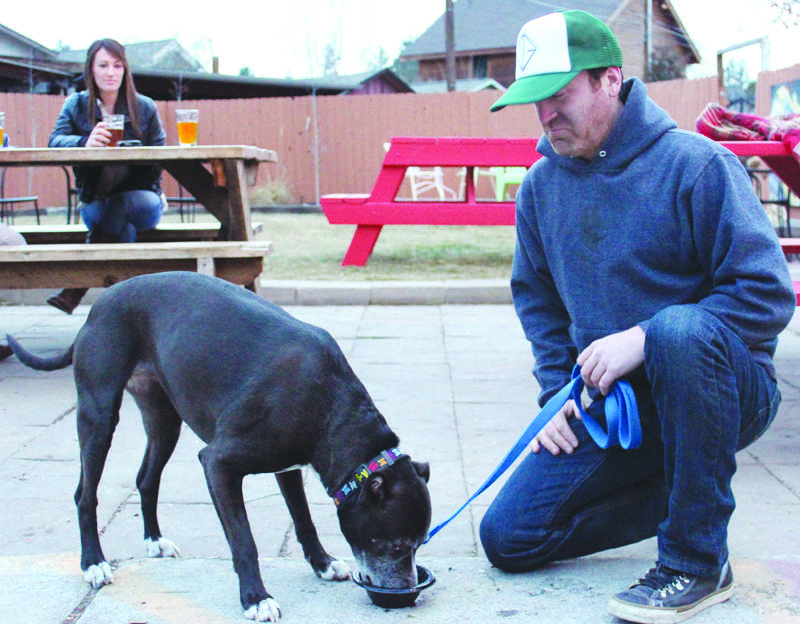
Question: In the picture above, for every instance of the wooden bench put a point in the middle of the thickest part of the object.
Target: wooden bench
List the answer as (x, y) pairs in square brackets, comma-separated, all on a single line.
[(370, 212), (163, 233), (101, 265)]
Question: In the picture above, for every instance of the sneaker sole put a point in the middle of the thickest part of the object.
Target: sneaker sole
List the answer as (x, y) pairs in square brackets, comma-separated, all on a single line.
[(642, 614)]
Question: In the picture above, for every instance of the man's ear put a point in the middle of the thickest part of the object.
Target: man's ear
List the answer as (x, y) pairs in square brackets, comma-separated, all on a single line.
[(613, 78)]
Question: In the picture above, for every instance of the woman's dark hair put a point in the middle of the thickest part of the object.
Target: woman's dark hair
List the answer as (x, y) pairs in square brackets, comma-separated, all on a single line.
[(127, 103)]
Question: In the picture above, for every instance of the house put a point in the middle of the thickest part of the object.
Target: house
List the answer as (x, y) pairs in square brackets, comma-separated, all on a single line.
[(165, 54), (369, 83), (164, 70), (469, 85), (26, 66), (486, 34)]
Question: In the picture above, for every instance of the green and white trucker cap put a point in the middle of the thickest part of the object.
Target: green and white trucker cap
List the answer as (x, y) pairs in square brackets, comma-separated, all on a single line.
[(553, 49)]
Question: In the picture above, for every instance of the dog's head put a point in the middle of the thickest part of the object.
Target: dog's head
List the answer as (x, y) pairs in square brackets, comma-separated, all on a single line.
[(387, 521)]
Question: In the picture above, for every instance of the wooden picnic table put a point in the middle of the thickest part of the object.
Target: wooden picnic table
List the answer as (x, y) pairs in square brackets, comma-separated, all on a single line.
[(216, 175), (370, 212)]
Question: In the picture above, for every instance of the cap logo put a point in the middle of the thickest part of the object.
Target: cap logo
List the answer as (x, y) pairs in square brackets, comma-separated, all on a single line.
[(542, 47), (525, 51)]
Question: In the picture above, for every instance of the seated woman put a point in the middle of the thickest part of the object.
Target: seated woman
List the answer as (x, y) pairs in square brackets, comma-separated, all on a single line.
[(116, 201)]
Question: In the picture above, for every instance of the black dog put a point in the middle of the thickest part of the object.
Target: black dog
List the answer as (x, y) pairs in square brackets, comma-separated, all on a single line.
[(265, 392)]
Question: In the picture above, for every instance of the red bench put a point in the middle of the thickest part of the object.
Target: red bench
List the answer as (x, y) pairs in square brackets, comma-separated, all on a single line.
[(370, 212)]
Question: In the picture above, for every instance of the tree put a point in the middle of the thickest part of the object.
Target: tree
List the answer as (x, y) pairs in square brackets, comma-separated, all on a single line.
[(788, 11), (331, 57), (665, 64), (407, 70), (379, 61), (246, 71), (740, 90)]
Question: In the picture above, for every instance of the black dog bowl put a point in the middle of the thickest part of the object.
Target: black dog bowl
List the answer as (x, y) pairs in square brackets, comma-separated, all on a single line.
[(397, 598)]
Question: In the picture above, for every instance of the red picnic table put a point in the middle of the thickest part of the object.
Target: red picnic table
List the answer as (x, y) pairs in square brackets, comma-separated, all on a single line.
[(777, 156), (370, 212)]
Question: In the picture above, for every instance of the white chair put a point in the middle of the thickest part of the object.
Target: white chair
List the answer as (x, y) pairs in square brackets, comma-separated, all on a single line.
[(428, 179), (425, 180)]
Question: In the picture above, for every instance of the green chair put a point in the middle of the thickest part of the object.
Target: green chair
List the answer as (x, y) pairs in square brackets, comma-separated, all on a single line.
[(505, 177)]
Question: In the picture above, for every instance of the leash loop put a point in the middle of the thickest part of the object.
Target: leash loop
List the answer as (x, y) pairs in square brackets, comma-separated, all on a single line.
[(623, 428)]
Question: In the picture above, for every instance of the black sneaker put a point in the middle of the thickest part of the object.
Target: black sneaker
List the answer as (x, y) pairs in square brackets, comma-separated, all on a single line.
[(665, 596)]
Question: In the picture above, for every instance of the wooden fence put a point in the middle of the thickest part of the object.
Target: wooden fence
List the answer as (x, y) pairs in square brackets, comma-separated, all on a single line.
[(334, 144)]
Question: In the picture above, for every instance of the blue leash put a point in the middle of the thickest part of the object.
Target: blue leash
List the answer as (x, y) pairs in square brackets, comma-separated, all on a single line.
[(622, 428)]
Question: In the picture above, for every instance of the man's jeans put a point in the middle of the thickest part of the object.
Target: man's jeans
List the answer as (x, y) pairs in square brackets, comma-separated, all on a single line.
[(701, 398), (123, 214)]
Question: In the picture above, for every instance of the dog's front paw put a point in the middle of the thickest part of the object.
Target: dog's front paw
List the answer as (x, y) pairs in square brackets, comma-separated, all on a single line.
[(265, 611), (98, 575), (162, 547), (336, 571)]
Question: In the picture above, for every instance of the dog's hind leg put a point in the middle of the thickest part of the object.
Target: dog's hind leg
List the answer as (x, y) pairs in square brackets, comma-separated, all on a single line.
[(162, 425), (104, 360), (224, 478), (324, 566), (98, 415)]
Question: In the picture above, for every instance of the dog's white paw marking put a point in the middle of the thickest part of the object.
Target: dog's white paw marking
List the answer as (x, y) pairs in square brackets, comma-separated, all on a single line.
[(265, 611), (337, 571), (98, 575), (162, 547)]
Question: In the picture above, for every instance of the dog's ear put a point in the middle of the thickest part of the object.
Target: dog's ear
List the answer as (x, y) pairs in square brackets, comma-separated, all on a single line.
[(423, 469), (376, 486)]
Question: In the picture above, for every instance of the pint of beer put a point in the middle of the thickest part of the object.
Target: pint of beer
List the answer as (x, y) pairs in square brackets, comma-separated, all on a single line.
[(187, 126), (2, 127), (115, 124)]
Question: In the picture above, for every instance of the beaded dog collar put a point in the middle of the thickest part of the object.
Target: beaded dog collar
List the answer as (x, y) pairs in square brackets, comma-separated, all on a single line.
[(362, 473)]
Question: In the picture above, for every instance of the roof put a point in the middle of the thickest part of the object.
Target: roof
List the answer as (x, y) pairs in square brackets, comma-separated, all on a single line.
[(353, 82), (164, 70), (168, 84), (464, 84), (37, 48), (162, 54), (506, 17)]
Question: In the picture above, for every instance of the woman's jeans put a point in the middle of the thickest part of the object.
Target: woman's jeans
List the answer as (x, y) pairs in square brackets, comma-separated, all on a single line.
[(121, 215), (701, 398), (115, 219)]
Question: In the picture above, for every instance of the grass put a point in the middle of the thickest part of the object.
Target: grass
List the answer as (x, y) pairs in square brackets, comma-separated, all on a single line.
[(307, 247)]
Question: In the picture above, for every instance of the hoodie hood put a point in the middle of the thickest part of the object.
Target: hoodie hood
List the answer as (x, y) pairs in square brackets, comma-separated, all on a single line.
[(640, 124)]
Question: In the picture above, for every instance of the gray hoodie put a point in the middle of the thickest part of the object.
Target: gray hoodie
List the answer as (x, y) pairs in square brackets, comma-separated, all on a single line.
[(660, 217)]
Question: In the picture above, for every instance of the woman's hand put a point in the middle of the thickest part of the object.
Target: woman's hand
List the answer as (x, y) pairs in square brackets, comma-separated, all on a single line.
[(99, 137)]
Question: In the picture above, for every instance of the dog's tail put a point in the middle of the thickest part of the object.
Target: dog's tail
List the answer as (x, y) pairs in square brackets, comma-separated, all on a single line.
[(39, 363)]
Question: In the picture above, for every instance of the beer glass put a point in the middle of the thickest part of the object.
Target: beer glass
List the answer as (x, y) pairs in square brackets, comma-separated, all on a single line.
[(187, 126), (115, 124)]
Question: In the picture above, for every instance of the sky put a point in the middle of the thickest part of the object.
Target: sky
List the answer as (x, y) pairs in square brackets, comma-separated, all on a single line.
[(284, 39)]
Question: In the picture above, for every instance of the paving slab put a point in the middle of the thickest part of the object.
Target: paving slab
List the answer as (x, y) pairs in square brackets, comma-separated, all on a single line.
[(454, 382)]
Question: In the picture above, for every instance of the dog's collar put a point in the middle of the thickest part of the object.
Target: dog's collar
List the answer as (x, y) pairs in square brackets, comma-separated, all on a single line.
[(360, 475)]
